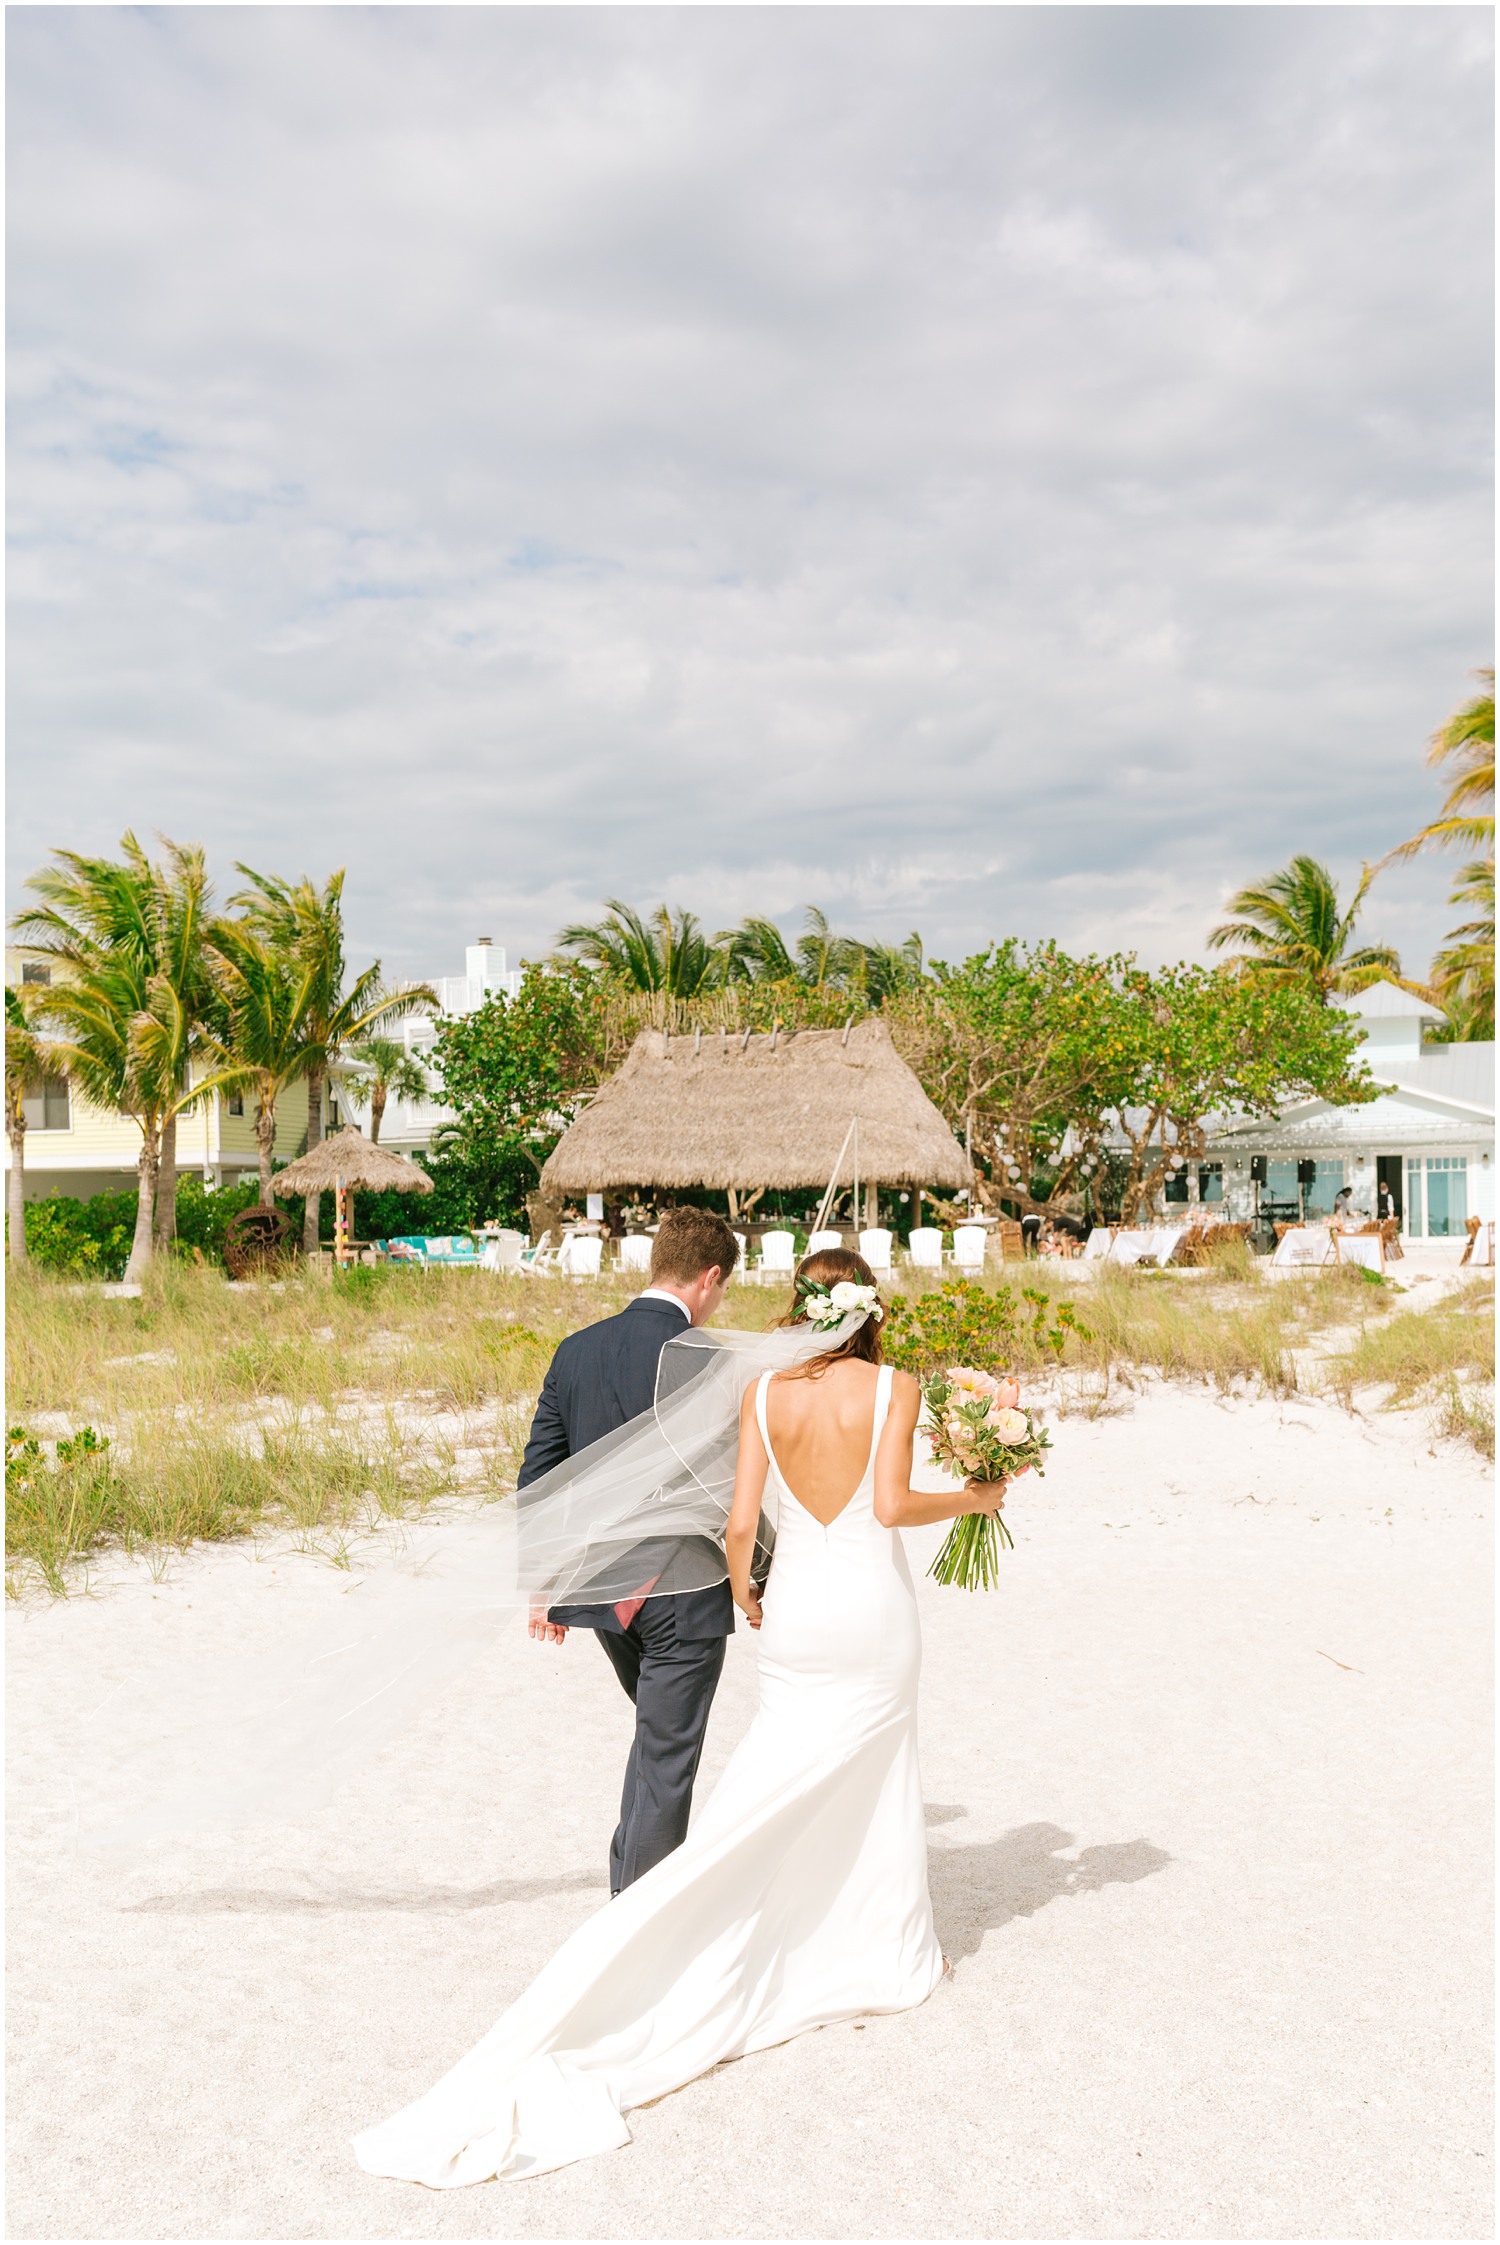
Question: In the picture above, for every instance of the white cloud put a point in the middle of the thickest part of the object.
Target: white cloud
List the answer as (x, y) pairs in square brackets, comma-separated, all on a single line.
[(998, 470)]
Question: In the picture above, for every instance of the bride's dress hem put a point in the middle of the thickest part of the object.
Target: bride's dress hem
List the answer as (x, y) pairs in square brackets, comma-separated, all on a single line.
[(798, 1900)]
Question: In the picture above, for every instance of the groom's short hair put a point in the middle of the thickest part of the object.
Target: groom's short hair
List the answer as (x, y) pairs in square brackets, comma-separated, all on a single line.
[(689, 1242)]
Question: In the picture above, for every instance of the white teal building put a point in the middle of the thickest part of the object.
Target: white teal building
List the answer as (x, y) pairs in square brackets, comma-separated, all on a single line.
[(1427, 1140)]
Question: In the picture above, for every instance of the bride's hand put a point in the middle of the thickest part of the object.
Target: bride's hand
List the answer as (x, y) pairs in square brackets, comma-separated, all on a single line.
[(751, 1608), (986, 1496)]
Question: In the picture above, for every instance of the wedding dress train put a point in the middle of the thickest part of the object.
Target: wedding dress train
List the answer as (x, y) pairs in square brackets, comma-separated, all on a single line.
[(798, 1898)]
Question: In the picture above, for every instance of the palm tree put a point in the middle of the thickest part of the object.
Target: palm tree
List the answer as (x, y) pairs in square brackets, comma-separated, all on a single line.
[(1292, 930), (1463, 972), (667, 952), (270, 1033), (757, 951), (380, 1066), (893, 967), (310, 923), (1467, 819), (27, 1059), (127, 935)]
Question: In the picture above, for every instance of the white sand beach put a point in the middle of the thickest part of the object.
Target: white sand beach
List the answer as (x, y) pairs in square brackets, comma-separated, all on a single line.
[(1209, 1795)]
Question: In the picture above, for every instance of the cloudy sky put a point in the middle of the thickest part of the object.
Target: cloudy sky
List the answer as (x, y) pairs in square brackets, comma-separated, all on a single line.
[(992, 470)]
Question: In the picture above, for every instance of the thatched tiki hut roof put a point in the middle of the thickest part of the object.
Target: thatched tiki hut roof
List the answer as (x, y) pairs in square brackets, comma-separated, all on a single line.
[(736, 1112), (350, 1157)]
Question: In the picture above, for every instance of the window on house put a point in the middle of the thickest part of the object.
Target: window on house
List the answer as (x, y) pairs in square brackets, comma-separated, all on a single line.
[(1416, 1227), (1280, 1191), (45, 1104), (1328, 1181), (1210, 1180), (43, 975), (235, 1103), (1447, 1195)]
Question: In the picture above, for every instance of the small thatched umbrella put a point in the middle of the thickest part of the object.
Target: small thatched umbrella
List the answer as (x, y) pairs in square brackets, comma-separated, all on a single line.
[(345, 1164), (742, 1113)]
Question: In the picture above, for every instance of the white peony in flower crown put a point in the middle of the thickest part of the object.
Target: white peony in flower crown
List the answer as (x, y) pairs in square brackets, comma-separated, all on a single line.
[(826, 1307)]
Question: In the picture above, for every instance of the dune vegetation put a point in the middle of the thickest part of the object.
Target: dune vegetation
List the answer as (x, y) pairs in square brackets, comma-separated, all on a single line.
[(200, 1410)]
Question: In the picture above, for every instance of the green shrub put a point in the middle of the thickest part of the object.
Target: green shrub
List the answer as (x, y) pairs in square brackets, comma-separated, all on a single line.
[(964, 1323), (91, 1237)]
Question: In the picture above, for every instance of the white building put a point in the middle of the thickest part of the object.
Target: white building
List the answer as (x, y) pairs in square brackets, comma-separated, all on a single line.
[(1429, 1138), (408, 1125)]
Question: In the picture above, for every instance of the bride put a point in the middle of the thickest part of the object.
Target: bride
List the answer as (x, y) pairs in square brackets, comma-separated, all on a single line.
[(800, 1894)]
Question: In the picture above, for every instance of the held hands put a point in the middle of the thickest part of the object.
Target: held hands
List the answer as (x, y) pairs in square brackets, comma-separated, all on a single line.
[(751, 1607), (544, 1631)]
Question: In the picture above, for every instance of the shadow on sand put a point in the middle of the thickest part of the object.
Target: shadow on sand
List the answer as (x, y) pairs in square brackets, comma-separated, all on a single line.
[(214, 1901), (974, 1888), (980, 1887)]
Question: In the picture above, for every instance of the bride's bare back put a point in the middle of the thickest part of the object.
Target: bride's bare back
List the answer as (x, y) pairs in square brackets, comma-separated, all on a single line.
[(820, 1431)]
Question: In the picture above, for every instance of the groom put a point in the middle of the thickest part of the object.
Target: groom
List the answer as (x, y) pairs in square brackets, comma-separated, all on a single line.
[(667, 1651)]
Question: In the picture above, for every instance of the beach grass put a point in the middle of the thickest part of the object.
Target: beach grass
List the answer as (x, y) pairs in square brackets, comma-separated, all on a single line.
[(323, 1404), (1444, 1355)]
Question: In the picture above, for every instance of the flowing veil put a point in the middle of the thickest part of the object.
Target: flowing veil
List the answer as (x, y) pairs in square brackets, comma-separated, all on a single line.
[(273, 1734)]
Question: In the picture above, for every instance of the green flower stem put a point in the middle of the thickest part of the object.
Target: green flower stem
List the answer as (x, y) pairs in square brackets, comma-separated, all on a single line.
[(971, 1553)]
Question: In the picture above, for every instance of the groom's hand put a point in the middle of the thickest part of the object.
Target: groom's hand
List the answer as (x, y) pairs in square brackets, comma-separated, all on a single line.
[(544, 1631)]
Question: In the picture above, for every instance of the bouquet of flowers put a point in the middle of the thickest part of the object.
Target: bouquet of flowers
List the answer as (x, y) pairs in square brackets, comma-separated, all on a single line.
[(978, 1431)]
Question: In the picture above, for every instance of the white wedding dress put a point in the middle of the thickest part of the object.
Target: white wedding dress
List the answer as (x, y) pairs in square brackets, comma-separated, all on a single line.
[(798, 1898)]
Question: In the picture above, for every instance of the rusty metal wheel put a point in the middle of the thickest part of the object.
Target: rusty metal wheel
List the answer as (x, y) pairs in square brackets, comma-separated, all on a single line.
[(257, 1240)]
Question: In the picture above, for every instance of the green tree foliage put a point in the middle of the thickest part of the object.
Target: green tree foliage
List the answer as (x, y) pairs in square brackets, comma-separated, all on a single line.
[(1038, 1059), (1014, 1049), (1291, 928)]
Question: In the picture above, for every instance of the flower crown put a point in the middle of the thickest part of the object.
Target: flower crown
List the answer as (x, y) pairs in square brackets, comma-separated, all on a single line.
[(827, 1306)]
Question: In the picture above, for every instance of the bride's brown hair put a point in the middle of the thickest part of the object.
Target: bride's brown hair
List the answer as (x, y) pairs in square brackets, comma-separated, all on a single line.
[(823, 1271)]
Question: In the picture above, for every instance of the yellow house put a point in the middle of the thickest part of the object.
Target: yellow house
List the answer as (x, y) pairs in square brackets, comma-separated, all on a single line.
[(79, 1150)]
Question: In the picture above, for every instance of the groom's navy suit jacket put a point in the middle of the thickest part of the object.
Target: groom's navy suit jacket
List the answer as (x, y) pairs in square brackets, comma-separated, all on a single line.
[(600, 1378)]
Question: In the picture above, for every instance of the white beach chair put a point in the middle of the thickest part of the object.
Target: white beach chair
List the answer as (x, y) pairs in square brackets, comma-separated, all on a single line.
[(743, 1265), (968, 1247), (542, 1257), (820, 1240), (875, 1246), (635, 1254), (776, 1258), (579, 1256), (1306, 1247), (503, 1252), (926, 1248)]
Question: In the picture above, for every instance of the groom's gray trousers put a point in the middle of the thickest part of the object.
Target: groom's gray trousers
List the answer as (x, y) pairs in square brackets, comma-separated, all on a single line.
[(672, 1680)]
